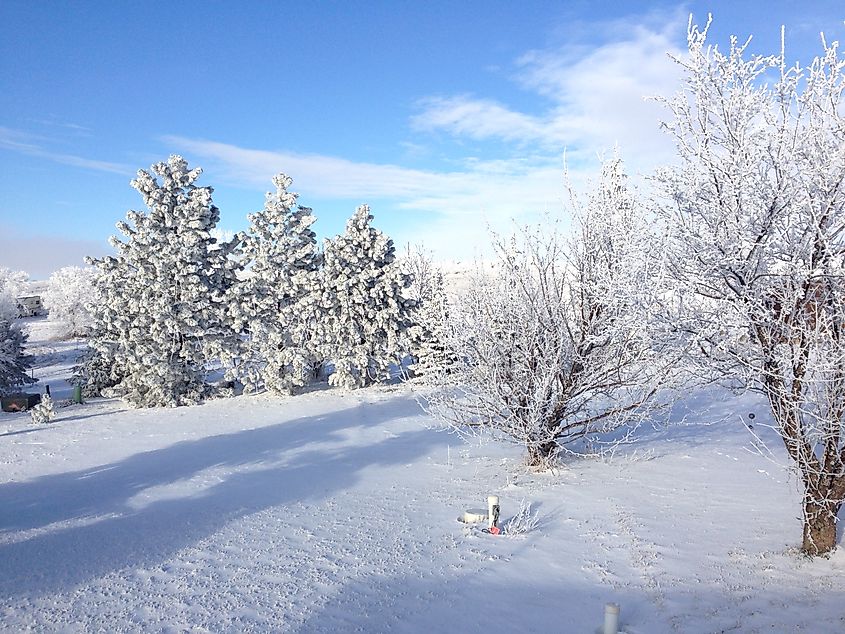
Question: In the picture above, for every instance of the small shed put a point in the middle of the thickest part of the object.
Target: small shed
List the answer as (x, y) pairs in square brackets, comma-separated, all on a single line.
[(30, 306)]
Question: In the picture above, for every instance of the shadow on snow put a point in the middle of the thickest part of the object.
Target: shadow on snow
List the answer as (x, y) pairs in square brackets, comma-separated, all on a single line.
[(277, 467)]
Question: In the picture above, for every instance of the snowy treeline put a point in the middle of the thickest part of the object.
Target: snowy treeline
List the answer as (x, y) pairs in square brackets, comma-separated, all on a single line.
[(733, 266), (268, 307)]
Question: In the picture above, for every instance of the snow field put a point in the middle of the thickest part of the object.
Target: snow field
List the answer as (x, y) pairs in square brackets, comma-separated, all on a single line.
[(336, 511)]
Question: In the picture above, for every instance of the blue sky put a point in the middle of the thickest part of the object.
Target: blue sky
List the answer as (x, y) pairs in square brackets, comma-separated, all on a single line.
[(445, 117)]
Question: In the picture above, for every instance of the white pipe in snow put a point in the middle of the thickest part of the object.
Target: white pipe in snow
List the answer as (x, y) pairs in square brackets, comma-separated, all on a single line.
[(472, 516), (493, 510), (611, 618)]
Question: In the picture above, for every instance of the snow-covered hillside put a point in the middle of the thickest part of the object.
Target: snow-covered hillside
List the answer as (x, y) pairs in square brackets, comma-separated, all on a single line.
[(336, 511)]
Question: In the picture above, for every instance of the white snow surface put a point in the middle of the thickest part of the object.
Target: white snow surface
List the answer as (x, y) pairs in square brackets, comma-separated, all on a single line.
[(336, 511)]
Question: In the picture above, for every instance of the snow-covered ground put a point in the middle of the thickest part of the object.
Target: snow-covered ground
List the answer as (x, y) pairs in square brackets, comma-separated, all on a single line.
[(336, 512)]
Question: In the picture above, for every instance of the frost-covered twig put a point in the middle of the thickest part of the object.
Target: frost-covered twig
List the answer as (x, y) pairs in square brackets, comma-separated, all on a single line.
[(523, 521)]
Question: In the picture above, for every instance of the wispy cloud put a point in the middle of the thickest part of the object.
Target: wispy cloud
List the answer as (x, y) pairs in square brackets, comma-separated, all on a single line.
[(53, 122), (597, 98), (448, 211), (325, 176), (463, 115), (493, 185), (33, 145)]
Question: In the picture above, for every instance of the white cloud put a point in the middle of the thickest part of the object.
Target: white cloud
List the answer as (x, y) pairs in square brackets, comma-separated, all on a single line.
[(478, 119), (494, 187), (448, 211), (325, 176), (22, 142), (596, 100)]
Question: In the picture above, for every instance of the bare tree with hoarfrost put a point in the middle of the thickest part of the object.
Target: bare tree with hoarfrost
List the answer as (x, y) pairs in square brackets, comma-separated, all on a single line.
[(161, 317), (12, 286), (418, 263), (274, 303), (70, 297), (755, 218), (555, 342), (364, 313)]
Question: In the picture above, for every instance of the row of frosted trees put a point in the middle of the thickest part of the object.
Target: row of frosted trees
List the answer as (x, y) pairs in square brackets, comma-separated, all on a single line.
[(732, 271), (269, 309)]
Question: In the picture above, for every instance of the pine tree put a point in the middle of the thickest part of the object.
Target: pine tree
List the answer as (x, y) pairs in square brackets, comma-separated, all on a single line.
[(274, 303), (364, 314), (94, 372), (100, 366), (13, 362), (161, 315), (427, 335)]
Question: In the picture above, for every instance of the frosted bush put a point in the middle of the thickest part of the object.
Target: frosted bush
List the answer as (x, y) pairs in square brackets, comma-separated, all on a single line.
[(44, 412), (69, 299), (523, 521)]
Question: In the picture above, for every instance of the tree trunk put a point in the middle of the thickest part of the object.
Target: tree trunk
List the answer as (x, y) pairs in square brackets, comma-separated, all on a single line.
[(540, 453), (819, 526)]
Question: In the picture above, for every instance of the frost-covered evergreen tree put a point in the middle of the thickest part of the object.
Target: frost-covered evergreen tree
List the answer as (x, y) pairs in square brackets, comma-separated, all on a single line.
[(13, 361), (69, 299), (161, 317), (99, 368), (364, 314), (95, 372), (428, 333), (274, 303), (429, 309)]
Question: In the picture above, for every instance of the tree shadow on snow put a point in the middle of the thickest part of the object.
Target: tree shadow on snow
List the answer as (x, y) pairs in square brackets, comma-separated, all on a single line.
[(100, 529), (67, 419), (21, 431)]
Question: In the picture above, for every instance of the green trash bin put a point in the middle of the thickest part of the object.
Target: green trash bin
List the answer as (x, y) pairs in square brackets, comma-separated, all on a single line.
[(77, 394)]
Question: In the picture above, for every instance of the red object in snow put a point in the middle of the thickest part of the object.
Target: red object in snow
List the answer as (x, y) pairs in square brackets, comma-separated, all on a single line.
[(495, 530)]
